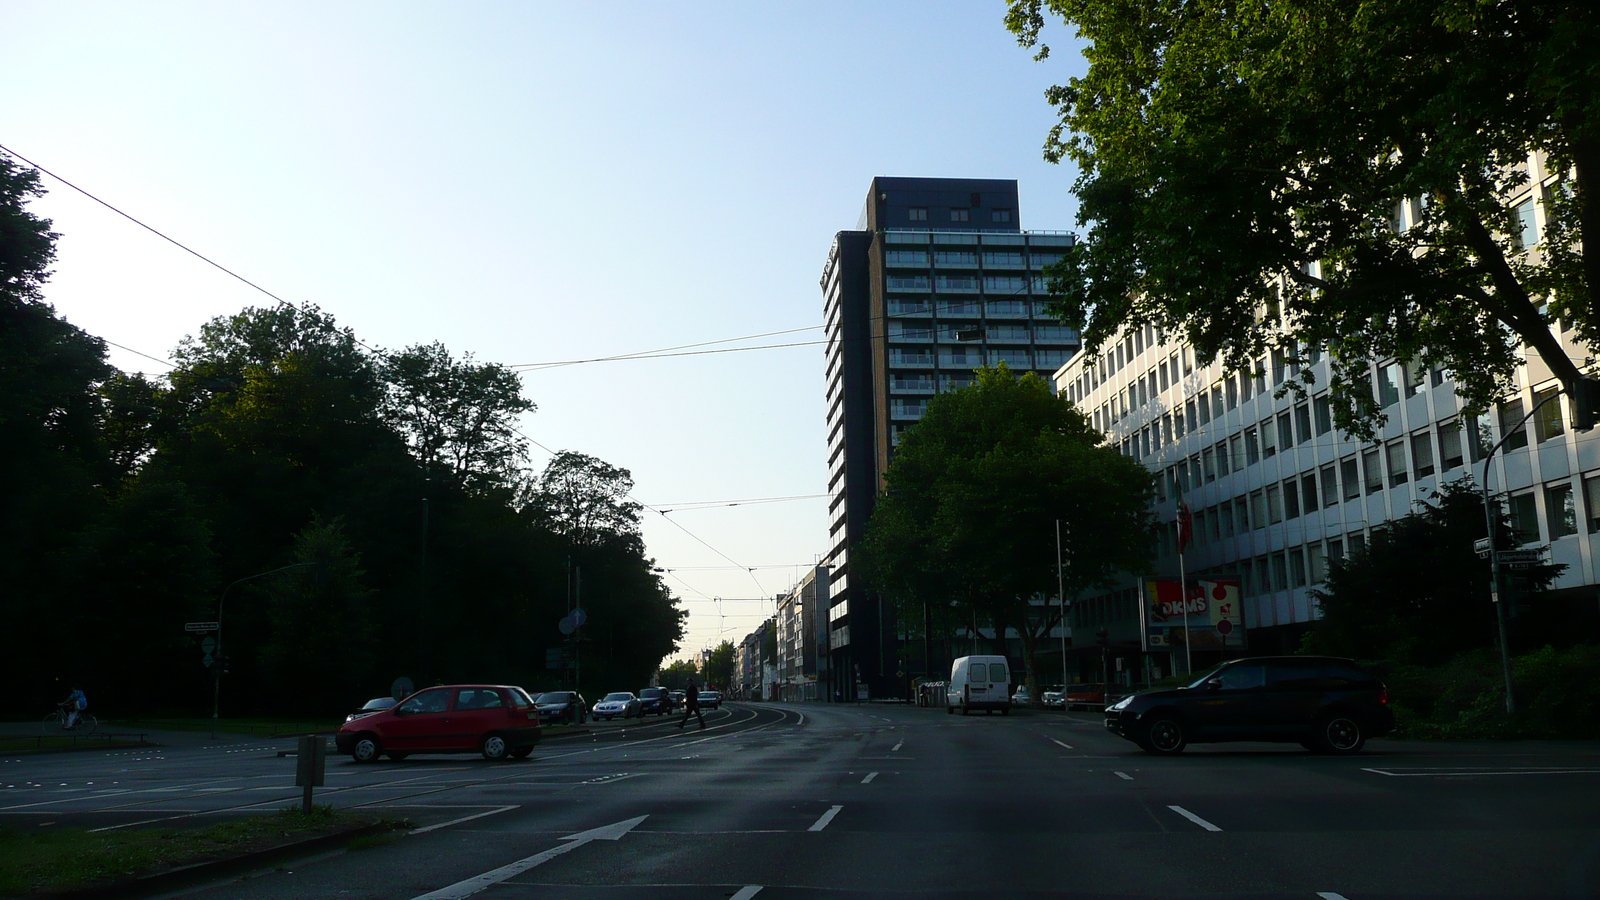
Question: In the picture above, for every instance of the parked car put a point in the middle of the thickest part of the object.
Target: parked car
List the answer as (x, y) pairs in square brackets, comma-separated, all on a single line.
[(1326, 704), (376, 704), (679, 698), (1022, 697), (1054, 697), (1089, 695), (710, 700), (655, 701), (496, 720), (615, 704), (563, 706)]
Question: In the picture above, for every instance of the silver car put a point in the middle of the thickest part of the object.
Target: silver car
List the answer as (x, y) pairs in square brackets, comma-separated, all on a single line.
[(619, 704)]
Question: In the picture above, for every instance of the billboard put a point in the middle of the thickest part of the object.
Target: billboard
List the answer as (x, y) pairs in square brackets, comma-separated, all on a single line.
[(1210, 609)]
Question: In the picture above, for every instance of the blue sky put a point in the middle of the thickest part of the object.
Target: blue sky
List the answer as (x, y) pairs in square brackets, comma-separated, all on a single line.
[(529, 183)]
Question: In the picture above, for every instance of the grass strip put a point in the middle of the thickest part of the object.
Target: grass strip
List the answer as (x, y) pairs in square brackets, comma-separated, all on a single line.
[(44, 860)]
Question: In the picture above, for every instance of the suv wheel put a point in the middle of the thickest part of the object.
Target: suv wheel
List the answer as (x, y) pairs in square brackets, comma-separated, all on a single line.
[(495, 747), (366, 749), (1340, 734), (1164, 735)]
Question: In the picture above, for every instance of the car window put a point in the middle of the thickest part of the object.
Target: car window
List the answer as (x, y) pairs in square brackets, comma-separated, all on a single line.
[(478, 698), (619, 696), (520, 700), (977, 672), (430, 701), (997, 671), (1294, 675), (555, 697), (1343, 675), (1243, 677)]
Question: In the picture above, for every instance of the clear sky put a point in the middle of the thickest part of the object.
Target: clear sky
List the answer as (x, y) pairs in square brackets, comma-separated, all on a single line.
[(533, 182)]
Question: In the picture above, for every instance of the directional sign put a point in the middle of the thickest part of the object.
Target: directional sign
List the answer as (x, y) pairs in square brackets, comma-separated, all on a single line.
[(1519, 556), (203, 626)]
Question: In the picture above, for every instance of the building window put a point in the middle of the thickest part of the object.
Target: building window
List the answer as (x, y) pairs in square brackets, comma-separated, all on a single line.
[(1308, 491), (1335, 550), (1322, 413), (960, 215), (1372, 465), (1302, 423), (1222, 459), (1241, 515), (1258, 510), (1560, 515), (1274, 504), (918, 213), (1547, 421), (1416, 375), (1001, 215), (1297, 567), (1350, 474), (1388, 384), (1207, 464), (1511, 413), (1285, 431), (1450, 445), (1396, 453), (1225, 518), (1317, 562), (1291, 500), (1422, 454), (1217, 410), (1246, 387), (1330, 485), (1252, 452), (1231, 391), (1527, 225), (1268, 448), (1204, 408), (1525, 517), (1246, 577), (1235, 453), (1591, 502), (1280, 573), (1163, 370)]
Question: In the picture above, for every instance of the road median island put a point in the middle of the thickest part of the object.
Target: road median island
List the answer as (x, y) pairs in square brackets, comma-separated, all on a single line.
[(75, 863), (24, 745)]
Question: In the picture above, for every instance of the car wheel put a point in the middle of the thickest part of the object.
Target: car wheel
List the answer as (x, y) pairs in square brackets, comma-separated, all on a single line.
[(366, 749), (1340, 735), (396, 757), (521, 752), (495, 747), (1164, 735)]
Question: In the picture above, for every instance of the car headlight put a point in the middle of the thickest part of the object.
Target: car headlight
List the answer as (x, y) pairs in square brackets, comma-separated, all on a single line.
[(1120, 704)]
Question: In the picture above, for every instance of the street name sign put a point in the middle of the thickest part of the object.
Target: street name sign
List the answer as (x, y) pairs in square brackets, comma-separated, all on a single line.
[(203, 626), (1519, 556)]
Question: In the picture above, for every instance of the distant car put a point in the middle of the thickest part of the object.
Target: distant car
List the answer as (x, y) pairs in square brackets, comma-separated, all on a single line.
[(1022, 697), (496, 720), (563, 706), (1054, 698), (679, 698), (617, 704), (1326, 704), (710, 700), (376, 704), (1088, 696), (655, 701)]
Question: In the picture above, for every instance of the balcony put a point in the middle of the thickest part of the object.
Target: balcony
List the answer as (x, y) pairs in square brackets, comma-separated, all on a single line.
[(910, 333), (957, 284), (911, 384), (1004, 261), (1006, 309), (910, 359), (907, 283), (899, 307)]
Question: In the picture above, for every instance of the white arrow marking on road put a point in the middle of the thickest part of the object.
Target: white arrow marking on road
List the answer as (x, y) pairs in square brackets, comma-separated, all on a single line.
[(897, 746), (750, 890), (870, 776), (1193, 818), (573, 841), (827, 817)]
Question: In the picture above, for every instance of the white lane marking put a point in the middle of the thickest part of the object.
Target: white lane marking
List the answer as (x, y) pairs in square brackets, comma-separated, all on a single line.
[(1068, 746), (493, 877), (427, 828), (827, 817), (1330, 895), (1124, 776), (1193, 818), (1474, 771), (870, 776), (897, 746), (746, 892)]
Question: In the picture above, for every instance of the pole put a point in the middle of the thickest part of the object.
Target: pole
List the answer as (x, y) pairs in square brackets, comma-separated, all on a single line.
[(216, 689), (1183, 604), (1061, 601)]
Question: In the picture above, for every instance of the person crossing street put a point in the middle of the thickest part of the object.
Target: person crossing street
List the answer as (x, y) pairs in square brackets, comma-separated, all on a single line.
[(691, 706)]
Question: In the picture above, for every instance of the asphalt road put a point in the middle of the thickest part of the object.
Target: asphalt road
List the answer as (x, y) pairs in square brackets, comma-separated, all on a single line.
[(822, 801)]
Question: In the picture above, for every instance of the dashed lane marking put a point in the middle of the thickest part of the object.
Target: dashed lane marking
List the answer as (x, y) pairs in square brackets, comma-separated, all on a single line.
[(1058, 743), (1460, 771), (896, 747), (746, 892), (826, 817), (435, 827), (1124, 776), (870, 776), (1193, 818)]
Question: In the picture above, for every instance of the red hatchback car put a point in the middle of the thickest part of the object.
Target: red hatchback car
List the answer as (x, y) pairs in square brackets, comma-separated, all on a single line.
[(496, 720)]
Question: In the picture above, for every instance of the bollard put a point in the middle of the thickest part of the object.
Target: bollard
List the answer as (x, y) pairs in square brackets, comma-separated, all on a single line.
[(310, 767)]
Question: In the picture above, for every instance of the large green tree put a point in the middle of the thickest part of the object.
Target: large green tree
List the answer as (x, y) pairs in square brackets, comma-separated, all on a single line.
[(459, 417), (973, 496), (1283, 174)]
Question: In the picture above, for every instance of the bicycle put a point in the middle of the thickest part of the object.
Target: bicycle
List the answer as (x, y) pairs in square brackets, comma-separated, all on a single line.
[(56, 723)]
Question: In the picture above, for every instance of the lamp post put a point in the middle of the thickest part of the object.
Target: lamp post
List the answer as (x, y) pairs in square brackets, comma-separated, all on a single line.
[(1061, 602), (216, 686)]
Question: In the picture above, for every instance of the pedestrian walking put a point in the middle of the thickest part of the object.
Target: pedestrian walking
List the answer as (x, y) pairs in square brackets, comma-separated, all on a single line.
[(691, 706)]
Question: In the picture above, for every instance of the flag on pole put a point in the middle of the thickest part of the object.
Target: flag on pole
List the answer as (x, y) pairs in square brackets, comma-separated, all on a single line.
[(1185, 524)]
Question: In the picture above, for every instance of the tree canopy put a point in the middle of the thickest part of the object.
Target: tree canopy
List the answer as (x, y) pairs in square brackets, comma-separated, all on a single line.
[(1291, 174), (967, 523)]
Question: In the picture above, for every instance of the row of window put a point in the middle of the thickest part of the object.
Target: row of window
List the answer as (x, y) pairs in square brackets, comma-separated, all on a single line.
[(967, 284), (957, 214), (991, 331), (968, 258), (902, 307), (971, 357)]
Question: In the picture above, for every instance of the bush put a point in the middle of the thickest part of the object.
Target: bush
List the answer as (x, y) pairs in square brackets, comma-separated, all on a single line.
[(1558, 693)]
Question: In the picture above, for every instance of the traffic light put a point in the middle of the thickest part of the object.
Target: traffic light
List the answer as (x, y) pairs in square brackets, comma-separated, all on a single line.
[(1585, 394)]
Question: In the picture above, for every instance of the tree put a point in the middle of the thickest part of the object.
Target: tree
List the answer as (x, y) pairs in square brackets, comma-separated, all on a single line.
[(974, 491), (586, 499), (459, 418), (1305, 174), (1417, 593), (719, 668), (677, 675)]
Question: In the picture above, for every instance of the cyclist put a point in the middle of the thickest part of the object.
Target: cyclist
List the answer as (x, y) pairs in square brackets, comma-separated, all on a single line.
[(74, 706)]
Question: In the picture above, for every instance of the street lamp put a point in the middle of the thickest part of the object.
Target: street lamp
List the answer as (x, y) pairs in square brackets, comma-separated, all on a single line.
[(216, 687)]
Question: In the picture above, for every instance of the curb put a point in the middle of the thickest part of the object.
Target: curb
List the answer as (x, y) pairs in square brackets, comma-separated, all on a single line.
[(565, 734), (200, 872)]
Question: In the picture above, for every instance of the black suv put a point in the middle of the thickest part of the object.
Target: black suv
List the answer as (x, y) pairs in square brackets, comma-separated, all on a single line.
[(1325, 704), (655, 701)]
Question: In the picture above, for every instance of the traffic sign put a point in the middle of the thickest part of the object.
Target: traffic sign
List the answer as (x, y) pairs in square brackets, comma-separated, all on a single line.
[(208, 644), (1481, 547), (579, 617), (1518, 556), (207, 659), (203, 626)]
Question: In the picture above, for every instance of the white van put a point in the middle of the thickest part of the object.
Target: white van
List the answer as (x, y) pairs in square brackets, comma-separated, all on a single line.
[(979, 682)]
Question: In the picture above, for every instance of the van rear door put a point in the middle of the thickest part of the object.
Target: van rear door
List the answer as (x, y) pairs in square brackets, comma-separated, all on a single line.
[(977, 681)]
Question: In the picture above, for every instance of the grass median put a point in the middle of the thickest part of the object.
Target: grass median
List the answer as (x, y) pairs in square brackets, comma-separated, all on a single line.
[(43, 860)]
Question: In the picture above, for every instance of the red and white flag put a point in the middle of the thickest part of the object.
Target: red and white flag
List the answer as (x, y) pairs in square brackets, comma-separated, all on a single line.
[(1185, 524)]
